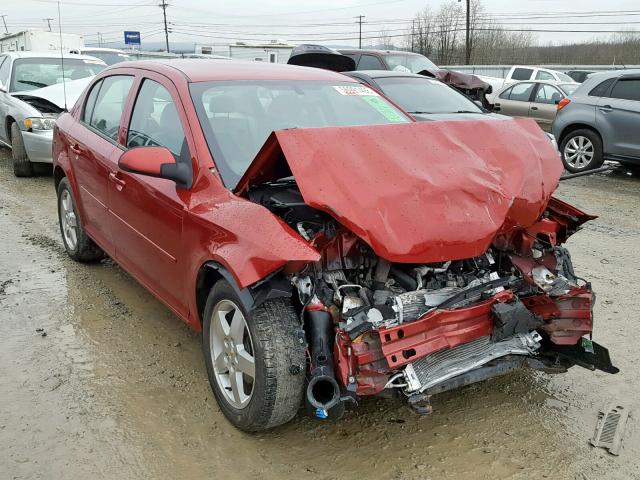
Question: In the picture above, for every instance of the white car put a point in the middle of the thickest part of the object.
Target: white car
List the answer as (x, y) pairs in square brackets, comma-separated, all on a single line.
[(518, 73), (107, 55), (32, 95)]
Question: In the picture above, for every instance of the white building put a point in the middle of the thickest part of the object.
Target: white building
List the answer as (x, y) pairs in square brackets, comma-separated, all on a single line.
[(276, 51), (39, 40)]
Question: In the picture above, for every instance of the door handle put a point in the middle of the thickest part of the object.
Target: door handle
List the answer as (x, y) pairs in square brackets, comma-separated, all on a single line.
[(76, 149), (534, 108), (606, 108), (113, 177)]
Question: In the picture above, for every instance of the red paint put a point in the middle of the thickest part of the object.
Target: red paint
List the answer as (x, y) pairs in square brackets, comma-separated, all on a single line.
[(568, 317), (425, 192), (145, 160), (437, 331)]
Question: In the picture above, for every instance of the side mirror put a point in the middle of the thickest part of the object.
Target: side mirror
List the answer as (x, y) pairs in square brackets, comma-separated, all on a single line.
[(156, 162)]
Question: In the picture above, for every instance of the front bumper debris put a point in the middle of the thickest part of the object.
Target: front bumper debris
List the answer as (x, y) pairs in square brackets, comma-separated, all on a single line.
[(438, 367)]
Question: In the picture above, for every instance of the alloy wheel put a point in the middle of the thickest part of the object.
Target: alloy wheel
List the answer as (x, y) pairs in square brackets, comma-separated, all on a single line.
[(579, 152), (68, 220), (232, 353)]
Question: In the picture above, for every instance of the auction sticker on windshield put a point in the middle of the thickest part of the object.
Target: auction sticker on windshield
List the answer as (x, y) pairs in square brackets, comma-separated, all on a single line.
[(358, 90), (385, 108)]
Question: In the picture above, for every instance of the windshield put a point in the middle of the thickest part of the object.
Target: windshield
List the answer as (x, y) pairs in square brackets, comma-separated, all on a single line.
[(108, 57), (406, 62), (569, 88), (424, 95), (237, 117), (32, 73)]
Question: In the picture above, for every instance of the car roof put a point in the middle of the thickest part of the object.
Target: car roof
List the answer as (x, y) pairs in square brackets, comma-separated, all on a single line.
[(598, 77), (385, 73), (100, 49), (202, 70), (557, 83), (379, 52), (56, 54)]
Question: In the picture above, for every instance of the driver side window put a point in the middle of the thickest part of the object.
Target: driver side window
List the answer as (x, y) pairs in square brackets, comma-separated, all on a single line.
[(155, 120), (109, 104)]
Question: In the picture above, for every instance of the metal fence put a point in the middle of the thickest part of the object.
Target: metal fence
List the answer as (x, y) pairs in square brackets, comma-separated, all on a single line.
[(501, 71)]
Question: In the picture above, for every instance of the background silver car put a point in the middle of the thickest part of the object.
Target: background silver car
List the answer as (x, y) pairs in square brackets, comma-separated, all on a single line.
[(600, 121), (32, 95), (535, 99)]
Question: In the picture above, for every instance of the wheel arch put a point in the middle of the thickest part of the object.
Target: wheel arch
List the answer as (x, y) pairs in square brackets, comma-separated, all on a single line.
[(578, 126), (211, 272), (58, 175), (9, 120)]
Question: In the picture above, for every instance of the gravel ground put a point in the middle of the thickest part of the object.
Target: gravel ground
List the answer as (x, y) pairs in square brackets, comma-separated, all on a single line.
[(99, 380)]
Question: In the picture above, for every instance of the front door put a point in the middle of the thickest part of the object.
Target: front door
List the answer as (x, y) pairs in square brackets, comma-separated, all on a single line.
[(94, 152), (148, 212), (618, 118)]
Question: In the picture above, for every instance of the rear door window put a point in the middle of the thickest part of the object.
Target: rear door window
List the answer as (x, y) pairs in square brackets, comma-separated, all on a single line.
[(627, 89), (602, 89), (522, 74), (520, 93), (155, 120), (91, 102), (370, 62), (109, 105)]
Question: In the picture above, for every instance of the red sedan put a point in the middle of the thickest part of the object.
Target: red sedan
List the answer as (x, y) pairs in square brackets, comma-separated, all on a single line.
[(327, 246)]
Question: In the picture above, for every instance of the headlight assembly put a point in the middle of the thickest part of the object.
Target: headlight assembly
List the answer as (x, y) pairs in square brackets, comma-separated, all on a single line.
[(39, 123)]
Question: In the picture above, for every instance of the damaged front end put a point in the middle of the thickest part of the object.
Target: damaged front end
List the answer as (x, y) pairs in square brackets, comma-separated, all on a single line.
[(387, 313)]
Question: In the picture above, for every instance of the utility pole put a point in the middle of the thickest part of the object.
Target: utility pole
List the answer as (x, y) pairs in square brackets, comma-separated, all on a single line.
[(360, 17), (99, 40), (164, 6), (468, 39), (413, 34), (48, 20), (5, 23)]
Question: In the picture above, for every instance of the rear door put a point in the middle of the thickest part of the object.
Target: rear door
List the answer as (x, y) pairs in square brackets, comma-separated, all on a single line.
[(516, 100), (618, 118), (148, 212), (94, 151), (544, 105)]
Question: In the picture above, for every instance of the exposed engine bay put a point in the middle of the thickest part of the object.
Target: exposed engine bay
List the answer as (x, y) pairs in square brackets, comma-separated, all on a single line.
[(379, 328)]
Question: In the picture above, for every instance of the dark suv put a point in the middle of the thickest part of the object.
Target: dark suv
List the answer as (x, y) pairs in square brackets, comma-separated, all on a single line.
[(600, 121), (390, 60)]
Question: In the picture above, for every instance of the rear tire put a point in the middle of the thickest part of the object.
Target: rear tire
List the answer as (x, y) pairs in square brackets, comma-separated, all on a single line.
[(77, 243), (273, 338), (22, 167), (581, 150)]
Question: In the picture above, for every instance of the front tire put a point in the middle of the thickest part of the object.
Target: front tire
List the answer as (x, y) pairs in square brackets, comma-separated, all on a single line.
[(255, 360), (22, 167), (581, 150), (76, 241)]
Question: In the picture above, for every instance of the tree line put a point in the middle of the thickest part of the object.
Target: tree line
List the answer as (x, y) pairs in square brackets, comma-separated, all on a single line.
[(440, 35)]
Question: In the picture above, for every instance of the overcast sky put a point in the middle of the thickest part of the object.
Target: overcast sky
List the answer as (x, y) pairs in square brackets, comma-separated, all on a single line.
[(330, 22)]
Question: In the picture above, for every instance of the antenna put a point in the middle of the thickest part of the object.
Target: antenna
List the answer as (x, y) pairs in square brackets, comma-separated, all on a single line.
[(64, 81)]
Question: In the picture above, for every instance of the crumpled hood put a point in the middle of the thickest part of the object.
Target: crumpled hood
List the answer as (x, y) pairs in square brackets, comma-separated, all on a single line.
[(420, 192), (56, 93)]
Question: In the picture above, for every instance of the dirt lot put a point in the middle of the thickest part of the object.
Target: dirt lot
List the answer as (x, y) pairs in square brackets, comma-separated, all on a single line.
[(117, 387)]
